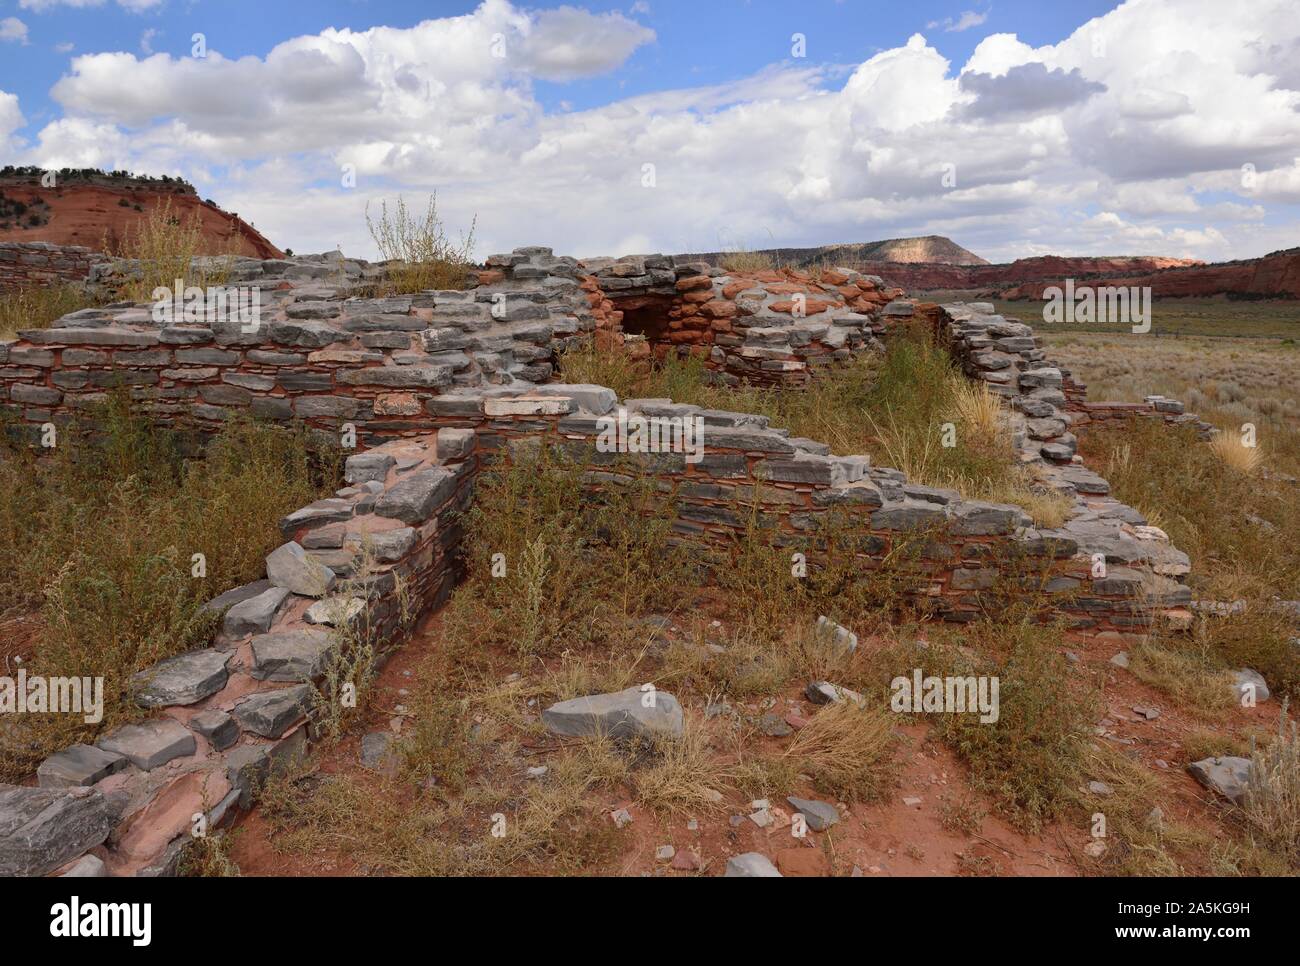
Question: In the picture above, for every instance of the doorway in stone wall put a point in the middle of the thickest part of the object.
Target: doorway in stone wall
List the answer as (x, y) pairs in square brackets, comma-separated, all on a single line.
[(648, 316)]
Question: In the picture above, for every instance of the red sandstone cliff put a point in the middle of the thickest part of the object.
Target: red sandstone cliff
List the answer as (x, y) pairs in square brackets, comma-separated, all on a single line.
[(103, 210), (1276, 275), (1048, 268)]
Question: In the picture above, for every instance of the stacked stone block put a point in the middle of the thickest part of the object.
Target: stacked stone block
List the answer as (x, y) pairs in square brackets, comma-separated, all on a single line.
[(40, 264), (375, 555)]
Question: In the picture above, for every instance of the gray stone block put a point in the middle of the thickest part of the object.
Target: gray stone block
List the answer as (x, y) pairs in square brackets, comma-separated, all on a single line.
[(415, 498), (754, 865), (151, 743), (455, 444), (819, 815), (290, 566), (296, 656), (44, 828), (622, 714), (254, 616), (184, 679), (271, 713), (219, 728), (78, 765)]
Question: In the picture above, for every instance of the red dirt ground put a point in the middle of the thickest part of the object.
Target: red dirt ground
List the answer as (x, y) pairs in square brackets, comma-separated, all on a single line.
[(889, 838)]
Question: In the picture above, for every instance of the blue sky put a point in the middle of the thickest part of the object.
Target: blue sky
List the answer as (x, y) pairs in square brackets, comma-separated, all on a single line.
[(1155, 126), (697, 42)]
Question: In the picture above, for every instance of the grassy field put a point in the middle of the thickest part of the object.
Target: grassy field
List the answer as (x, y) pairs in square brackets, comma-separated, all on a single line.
[(1236, 520), (1170, 317)]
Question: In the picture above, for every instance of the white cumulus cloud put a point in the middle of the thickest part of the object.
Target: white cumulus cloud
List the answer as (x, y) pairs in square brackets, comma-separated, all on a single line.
[(1129, 134)]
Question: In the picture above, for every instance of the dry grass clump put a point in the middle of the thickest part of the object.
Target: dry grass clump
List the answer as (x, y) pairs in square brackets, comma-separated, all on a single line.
[(1187, 673), (419, 253), (536, 528), (1234, 526), (1235, 455), (684, 775), (209, 857), (744, 260), (1231, 524), (1031, 758), (961, 814), (37, 306), (99, 539), (168, 248), (847, 750), (901, 410), (1141, 835), (1271, 807)]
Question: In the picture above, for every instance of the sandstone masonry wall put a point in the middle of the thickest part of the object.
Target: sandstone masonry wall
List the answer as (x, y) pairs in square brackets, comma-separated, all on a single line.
[(24, 264)]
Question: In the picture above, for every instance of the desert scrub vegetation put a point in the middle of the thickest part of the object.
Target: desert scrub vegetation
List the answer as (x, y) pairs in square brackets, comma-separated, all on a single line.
[(1032, 758), (37, 306), (897, 409), (1173, 320), (744, 260), (97, 540), (168, 247), (571, 592), (418, 252), (1271, 806), (1236, 524), (536, 529)]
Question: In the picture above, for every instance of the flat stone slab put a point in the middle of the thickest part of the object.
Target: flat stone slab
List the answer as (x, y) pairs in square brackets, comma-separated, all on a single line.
[(230, 598), (329, 510), (384, 546), (835, 636), (254, 615), (289, 565), (44, 828), (377, 754), (271, 713), (819, 815), (334, 611), (78, 765), (150, 743), (1228, 776), (364, 467), (622, 714), (455, 444), (415, 498), (751, 865), (184, 679), (296, 656)]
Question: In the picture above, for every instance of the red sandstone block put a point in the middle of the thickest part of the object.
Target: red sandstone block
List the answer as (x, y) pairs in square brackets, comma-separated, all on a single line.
[(693, 283), (811, 306)]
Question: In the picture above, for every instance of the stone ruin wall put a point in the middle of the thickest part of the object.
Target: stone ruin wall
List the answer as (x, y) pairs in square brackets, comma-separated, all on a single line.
[(440, 385), (768, 328), (27, 264), (403, 367)]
